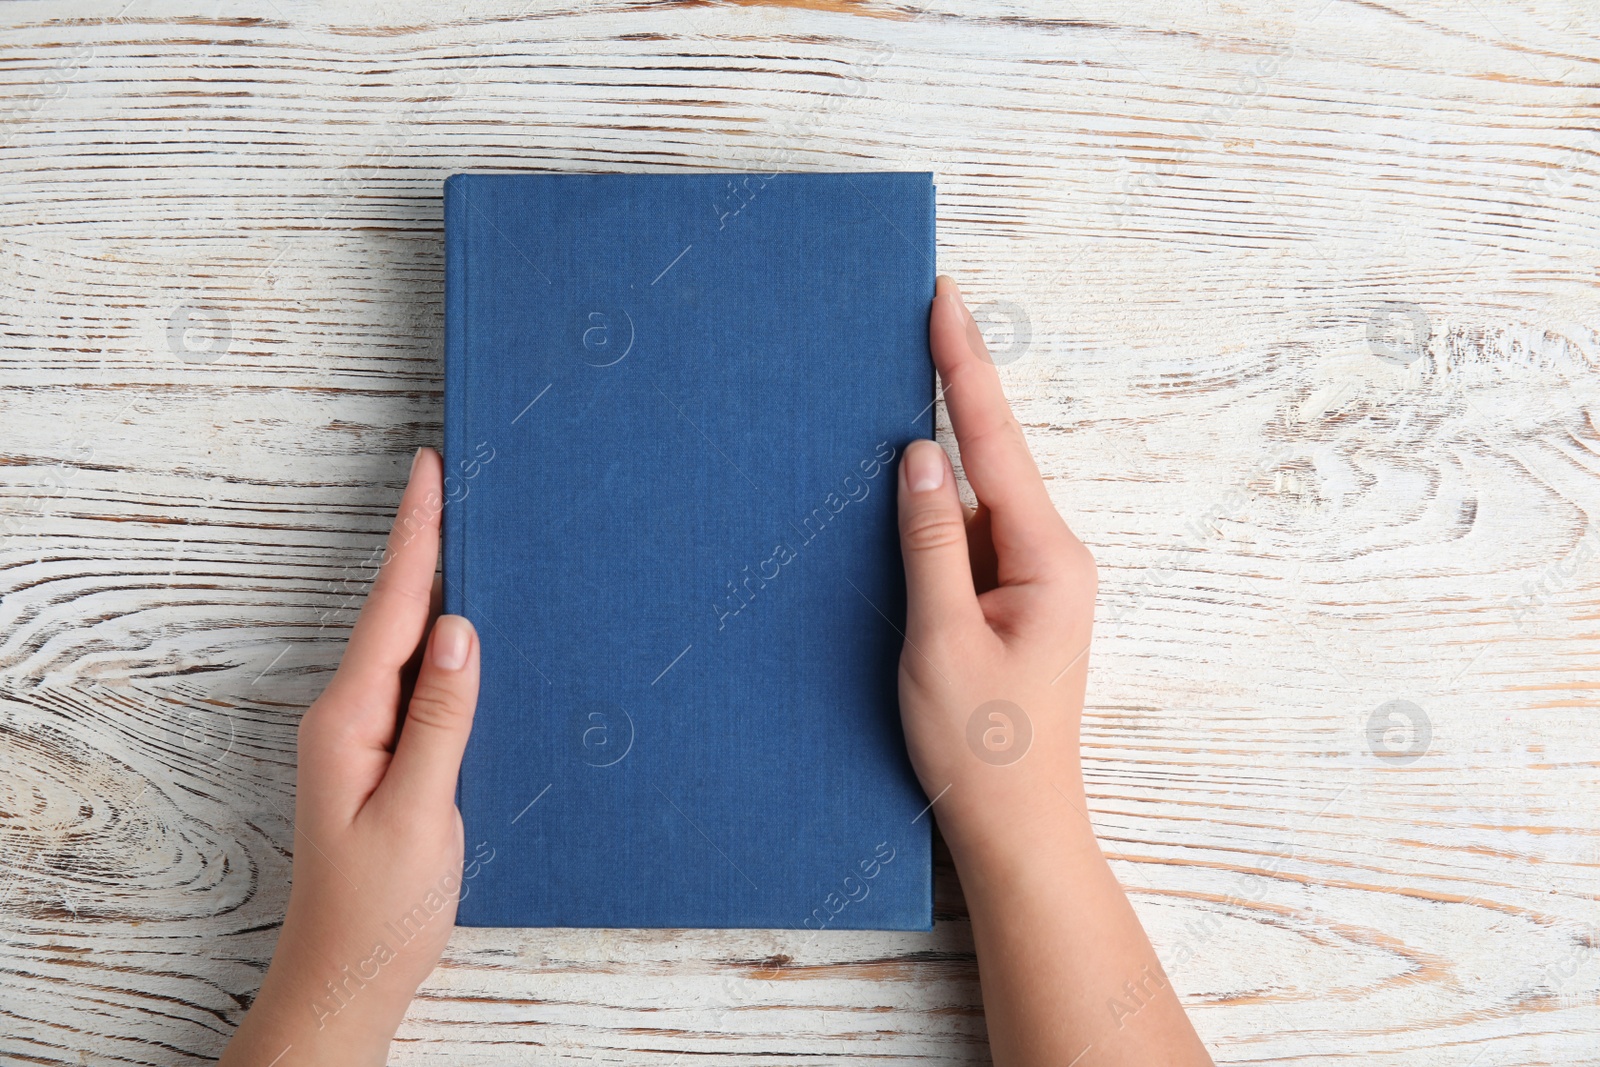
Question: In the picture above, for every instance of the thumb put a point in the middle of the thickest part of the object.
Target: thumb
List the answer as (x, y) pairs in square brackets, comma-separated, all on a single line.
[(933, 542), (427, 758)]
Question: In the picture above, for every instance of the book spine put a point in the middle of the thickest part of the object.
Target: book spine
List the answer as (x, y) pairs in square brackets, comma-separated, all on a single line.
[(453, 545), (928, 423)]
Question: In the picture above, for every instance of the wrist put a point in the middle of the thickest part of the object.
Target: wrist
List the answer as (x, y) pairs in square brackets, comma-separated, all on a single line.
[(277, 1026), (325, 1017), (284, 1019), (1029, 821)]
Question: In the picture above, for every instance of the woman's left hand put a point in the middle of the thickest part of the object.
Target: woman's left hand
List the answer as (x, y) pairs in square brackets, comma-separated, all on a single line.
[(378, 840)]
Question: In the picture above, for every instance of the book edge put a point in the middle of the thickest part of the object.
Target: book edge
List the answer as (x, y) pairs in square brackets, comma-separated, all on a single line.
[(930, 428), (452, 543)]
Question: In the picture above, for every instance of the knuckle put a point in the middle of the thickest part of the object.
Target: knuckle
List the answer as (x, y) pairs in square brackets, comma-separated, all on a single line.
[(1006, 428), (305, 737), (941, 646), (1069, 559), (324, 731), (389, 586), (927, 531), (1082, 567), (960, 373), (312, 732), (1004, 432), (436, 707)]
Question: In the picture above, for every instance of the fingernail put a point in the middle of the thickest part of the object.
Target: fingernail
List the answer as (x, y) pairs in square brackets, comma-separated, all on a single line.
[(969, 322), (959, 297), (416, 458), (954, 296), (452, 640), (924, 467)]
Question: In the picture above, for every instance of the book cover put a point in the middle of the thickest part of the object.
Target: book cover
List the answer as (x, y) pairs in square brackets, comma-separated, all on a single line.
[(674, 411)]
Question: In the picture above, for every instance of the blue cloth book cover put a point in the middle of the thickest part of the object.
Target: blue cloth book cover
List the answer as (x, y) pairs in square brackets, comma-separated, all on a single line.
[(674, 411)]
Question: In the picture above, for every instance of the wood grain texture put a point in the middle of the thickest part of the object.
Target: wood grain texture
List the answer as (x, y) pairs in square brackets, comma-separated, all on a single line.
[(1296, 298)]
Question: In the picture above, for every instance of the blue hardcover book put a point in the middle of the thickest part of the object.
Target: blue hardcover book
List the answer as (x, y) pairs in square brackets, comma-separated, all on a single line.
[(674, 410)]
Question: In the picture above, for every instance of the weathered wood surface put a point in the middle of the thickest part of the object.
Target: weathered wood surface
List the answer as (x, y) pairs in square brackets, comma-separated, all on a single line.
[(1309, 352)]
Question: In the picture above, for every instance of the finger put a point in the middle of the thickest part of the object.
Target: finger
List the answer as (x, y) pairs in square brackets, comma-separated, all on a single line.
[(408, 673), (994, 452), (395, 617), (427, 758), (933, 543)]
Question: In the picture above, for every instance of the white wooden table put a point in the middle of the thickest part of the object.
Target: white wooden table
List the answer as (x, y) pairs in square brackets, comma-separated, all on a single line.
[(1297, 299)]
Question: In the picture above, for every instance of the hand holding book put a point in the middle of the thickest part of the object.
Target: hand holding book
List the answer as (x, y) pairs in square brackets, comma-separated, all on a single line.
[(378, 845), (1000, 604)]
